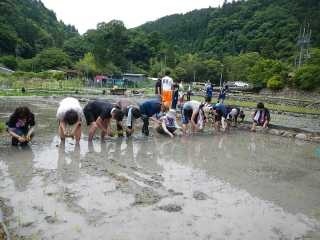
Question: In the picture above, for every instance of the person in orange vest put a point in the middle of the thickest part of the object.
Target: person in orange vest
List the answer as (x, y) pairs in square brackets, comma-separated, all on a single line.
[(167, 85)]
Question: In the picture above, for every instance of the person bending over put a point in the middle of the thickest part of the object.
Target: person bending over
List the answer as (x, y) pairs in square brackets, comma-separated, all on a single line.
[(132, 112), (21, 126), (150, 109), (168, 124), (192, 112), (69, 115), (98, 114), (232, 115)]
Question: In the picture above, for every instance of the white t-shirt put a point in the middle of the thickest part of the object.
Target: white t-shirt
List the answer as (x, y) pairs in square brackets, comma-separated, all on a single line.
[(192, 104), (167, 83), (67, 104)]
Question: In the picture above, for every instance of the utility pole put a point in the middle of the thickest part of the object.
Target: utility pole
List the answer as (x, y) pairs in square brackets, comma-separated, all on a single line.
[(303, 44)]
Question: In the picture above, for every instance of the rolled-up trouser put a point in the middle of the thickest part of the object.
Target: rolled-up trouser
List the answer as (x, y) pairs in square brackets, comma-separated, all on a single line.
[(145, 127)]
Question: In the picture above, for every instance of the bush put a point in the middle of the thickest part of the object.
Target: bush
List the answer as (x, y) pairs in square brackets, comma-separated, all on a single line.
[(307, 77), (275, 83), (9, 62)]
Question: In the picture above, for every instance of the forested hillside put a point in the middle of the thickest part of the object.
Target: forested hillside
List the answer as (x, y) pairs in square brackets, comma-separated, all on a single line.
[(253, 41), (269, 27), (27, 27)]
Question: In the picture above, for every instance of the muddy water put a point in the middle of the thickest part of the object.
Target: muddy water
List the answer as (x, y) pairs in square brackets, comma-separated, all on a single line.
[(223, 186)]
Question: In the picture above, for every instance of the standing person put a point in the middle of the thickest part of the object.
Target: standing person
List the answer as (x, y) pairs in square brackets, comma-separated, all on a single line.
[(209, 92), (175, 97), (167, 84), (158, 89), (70, 113), (223, 93), (150, 109), (261, 117), (21, 126), (98, 114), (131, 110), (168, 124), (192, 111)]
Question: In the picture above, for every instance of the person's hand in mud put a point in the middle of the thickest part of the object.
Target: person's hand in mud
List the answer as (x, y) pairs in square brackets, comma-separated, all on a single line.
[(22, 139)]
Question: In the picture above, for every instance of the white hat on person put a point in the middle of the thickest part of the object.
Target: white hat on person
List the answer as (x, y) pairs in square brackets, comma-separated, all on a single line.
[(171, 113)]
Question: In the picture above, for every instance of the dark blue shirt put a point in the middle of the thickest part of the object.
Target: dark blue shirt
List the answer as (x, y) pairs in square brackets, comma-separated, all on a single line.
[(209, 90), (150, 107)]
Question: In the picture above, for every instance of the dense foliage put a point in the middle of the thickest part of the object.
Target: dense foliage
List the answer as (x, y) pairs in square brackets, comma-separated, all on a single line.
[(253, 41), (27, 27)]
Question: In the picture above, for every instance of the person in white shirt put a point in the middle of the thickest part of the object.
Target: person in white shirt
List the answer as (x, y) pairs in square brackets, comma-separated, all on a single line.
[(167, 85), (69, 115)]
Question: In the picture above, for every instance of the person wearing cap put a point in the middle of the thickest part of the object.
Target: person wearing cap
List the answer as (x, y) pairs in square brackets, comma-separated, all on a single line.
[(70, 114), (98, 114), (192, 111), (168, 123), (261, 117), (150, 109), (132, 112)]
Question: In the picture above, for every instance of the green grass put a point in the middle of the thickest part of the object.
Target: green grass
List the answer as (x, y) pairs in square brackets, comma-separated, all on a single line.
[(274, 107), (2, 127)]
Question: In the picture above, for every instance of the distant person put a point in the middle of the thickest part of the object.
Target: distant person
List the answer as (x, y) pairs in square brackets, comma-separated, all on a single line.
[(131, 111), (70, 114), (158, 89), (167, 86), (189, 92), (98, 114), (175, 97), (208, 92), (192, 112), (223, 93), (168, 124), (261, 117), (21, 126), (150, 109)]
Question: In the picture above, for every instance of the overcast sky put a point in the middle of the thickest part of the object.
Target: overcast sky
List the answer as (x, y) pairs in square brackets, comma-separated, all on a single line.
[(85, 14)]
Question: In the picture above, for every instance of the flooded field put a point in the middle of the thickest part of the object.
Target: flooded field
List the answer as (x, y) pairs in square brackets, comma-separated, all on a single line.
[(238, 185)]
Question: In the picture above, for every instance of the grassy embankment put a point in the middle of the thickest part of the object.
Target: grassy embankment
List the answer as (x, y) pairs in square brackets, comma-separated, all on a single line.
[(12, 85)]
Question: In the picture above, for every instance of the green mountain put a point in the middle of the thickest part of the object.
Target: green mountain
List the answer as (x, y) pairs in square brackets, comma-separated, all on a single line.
[(270, 27), (27, 27)]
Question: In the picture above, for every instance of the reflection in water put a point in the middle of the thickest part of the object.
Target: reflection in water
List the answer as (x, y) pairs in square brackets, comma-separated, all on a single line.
[(68, 163), (20, 166)]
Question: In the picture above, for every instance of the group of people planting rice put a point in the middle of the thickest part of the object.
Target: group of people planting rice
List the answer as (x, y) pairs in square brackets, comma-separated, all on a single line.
[(162, 110)]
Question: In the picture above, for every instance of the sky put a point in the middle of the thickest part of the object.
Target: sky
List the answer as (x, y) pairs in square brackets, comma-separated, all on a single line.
[(86, 14)]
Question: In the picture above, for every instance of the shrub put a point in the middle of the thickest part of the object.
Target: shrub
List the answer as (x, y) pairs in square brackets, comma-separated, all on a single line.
[(275, 83), (307, 77), (9, 62)]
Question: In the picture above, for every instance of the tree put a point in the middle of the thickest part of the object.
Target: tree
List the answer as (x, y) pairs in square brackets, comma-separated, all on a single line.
[(87, 65), (308, 77), (52, 58), (110, 43)]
